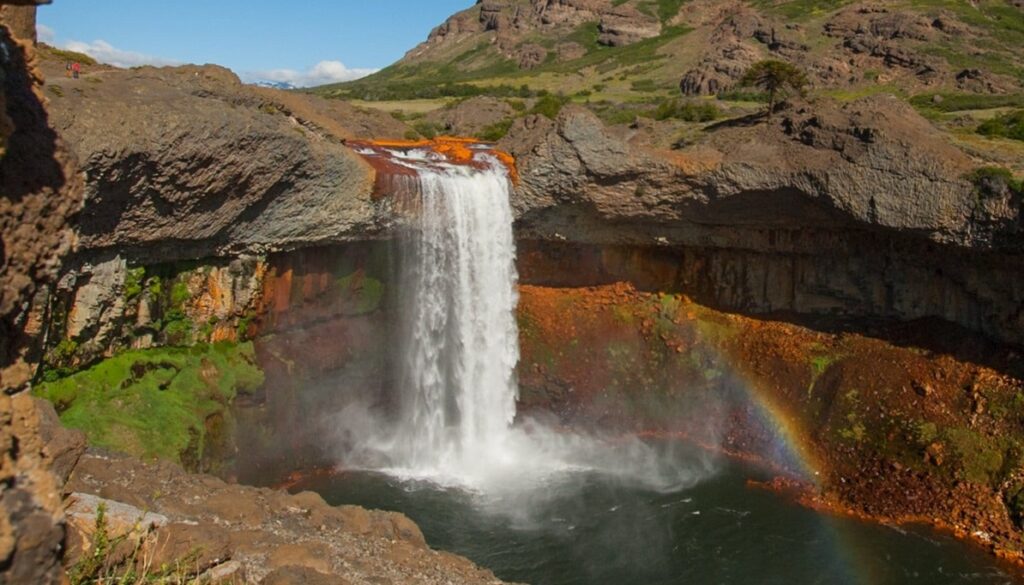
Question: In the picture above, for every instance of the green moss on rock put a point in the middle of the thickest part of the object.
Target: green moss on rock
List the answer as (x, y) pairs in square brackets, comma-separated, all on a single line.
[(155, 403)]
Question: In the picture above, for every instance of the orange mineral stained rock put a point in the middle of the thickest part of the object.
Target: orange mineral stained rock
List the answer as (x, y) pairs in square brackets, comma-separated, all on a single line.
[(456, 150)]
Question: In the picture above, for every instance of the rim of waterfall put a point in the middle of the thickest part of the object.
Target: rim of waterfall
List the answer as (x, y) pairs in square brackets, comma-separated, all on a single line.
[(391, 175)]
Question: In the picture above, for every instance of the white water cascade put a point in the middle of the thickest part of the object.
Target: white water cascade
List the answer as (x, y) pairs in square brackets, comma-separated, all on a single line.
[(460, 337), (458, 346)]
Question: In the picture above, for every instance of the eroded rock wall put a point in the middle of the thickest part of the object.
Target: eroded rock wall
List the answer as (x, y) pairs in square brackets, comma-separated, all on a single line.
[(840, 275), (858, 210)]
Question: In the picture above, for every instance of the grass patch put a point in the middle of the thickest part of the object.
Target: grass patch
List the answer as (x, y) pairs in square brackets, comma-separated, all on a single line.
[(496, 131), (802, 9), (960, 102), (155, 403), (687, 110), (455, 77), (71, 56)]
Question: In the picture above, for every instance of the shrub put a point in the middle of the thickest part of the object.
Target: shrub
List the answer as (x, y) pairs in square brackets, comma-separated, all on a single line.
[(133, 282), (1007, 126), (735, 95), (989, 181), (644, 85), (428, 130), (495, 132), (103, 564), (688, 111), (549, 105)]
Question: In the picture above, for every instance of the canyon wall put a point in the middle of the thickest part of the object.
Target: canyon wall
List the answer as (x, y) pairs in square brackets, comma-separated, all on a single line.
[(855, 211)]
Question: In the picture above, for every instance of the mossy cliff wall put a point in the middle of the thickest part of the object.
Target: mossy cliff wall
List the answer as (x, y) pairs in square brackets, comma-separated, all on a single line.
[(174, 345)]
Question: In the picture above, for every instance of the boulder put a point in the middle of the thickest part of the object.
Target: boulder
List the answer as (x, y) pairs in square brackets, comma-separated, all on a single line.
[(186, 162), (624, 25)]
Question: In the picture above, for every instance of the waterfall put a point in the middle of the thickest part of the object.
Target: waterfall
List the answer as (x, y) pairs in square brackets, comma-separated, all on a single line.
[(460, 341), (457, 346)]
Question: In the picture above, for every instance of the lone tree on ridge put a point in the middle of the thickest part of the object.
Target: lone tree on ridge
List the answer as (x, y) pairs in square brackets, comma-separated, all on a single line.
[(777, 78)]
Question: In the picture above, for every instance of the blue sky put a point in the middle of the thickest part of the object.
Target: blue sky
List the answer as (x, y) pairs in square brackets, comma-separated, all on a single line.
[(302, 41)]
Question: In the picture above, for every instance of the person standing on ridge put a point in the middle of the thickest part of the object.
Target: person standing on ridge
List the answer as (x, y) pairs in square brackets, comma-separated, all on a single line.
[(76, 68)]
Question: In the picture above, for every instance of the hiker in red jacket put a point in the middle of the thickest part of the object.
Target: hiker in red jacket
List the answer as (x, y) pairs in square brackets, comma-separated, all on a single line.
[(76, 69)]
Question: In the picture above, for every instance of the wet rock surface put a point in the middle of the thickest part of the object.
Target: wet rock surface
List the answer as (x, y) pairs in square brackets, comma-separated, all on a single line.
[(889, 431), (266, 535)]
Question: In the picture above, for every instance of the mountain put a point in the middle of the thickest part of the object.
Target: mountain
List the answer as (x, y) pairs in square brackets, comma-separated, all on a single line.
[(626, 50), (274, 84)]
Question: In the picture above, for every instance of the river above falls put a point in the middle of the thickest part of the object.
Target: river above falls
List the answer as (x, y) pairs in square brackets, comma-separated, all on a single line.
[(587, 528)]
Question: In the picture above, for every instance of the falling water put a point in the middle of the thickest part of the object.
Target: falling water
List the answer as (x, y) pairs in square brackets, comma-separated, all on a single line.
[(458, 347), (461, 344)]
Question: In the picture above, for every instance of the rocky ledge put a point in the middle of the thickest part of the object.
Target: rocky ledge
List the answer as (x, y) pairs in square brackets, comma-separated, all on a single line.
[(236, 534), (189, 162), (859, 210)]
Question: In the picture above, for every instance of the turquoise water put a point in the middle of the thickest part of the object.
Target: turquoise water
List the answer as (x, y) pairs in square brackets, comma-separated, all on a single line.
[(588, 529)]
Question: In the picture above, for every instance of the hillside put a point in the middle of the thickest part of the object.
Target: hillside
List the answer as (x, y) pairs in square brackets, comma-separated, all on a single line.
[(664, 69), (637, 49)]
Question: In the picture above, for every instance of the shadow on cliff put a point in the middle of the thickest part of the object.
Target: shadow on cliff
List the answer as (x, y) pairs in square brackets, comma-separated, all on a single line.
[(32, 182), (29, 162), (799, 262)]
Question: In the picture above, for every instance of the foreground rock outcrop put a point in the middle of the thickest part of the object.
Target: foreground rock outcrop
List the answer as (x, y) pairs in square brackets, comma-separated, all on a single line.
[(188, 162), (252, 535), (40, 190)]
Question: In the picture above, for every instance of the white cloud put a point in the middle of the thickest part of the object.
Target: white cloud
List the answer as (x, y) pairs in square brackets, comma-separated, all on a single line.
[(322, 73), (45, 34), (104, 52)]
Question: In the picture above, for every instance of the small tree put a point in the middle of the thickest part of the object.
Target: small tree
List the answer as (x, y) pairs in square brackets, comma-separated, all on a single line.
[(777, 78)]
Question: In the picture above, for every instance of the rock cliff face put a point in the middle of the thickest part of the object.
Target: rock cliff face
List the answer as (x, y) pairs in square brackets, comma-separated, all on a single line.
[(190, 159), (40, 190), (858, 210)]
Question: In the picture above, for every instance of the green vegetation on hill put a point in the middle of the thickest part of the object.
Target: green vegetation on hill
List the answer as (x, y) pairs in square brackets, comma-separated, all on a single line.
[(477, 69), (994, 180), (959, 102), (156, 403), (1006, 126), (69, 56)]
